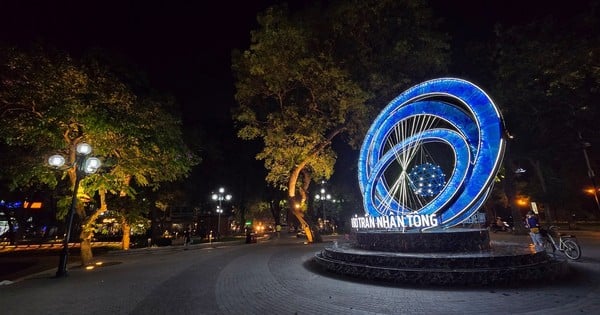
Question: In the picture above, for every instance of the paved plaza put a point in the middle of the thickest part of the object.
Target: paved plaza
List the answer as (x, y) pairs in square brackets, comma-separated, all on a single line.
[(278, 276)]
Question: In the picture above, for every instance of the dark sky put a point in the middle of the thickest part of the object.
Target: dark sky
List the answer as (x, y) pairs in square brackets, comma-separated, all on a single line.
[(185, 46)]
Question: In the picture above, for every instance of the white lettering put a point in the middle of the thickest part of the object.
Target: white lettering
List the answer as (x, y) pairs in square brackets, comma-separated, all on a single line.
[(417, 220), (426, 220), (395, 221), (371, 222), (400, 221), (434, 220), (386, 222), (411, 221)]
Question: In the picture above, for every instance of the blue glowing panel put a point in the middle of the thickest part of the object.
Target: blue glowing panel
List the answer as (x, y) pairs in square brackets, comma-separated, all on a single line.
[(445, 113)]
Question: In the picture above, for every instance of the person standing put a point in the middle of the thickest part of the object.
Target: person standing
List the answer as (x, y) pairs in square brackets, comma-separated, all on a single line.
[(11, 231), (533, 224), (278, 230), (187, 238)]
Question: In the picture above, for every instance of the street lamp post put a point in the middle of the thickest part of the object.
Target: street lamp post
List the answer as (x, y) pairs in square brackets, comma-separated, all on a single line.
[(220, 196), (322, 197), (83, 165), (219, 211)]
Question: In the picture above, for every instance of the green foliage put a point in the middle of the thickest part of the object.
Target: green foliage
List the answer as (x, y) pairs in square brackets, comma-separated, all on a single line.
[(132, 210), (293, 96), (37, 103), (315, 76), (49, 103), (259, 211)]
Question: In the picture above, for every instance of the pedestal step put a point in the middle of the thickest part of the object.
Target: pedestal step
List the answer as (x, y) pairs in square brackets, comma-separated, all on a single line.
[(504, 264)]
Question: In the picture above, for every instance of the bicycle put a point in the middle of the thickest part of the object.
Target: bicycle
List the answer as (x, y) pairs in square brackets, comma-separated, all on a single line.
[(567, 244)]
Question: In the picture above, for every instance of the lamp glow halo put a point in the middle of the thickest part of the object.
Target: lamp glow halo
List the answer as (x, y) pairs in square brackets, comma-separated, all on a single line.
[(449, 122)]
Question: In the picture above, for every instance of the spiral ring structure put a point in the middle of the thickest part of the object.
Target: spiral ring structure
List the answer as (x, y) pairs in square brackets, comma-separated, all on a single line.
[(447, 121)]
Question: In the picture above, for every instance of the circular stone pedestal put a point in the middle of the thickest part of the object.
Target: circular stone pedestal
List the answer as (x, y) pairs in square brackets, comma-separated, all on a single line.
[(439, 258)]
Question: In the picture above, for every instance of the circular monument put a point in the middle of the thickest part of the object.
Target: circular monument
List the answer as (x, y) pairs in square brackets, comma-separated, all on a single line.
[(427, 164)]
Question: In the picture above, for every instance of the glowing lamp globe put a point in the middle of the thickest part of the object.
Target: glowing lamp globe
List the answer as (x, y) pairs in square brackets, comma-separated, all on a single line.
[(56, 161)]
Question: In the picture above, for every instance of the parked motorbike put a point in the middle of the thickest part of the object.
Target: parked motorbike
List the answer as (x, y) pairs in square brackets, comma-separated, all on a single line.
[(500, 226)]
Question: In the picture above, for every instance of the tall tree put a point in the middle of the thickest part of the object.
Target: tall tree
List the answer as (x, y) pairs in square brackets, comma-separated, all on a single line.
[(548, 78), (144, 150), (306, 80), (296, 99), (50, 103)]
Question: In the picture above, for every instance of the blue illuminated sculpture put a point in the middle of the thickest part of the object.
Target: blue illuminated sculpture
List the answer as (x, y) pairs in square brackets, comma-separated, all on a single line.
[(449, 123), (427, 164)]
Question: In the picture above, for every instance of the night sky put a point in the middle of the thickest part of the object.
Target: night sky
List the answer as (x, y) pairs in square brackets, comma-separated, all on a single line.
[(185, 46)]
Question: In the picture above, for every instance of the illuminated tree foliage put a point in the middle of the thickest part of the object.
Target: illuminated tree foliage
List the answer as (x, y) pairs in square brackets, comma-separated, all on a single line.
[(309, 78), (296, 99), (49, 103)]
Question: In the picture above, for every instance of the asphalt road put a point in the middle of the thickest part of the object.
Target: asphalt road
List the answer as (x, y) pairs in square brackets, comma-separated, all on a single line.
[(278, 277)]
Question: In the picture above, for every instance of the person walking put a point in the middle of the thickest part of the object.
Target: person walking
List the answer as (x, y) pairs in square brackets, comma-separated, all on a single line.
[(533, 224), (187, 239)]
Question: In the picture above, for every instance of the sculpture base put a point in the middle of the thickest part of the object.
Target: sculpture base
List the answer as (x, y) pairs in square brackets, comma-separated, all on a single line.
[(446, 262), (451, 240)]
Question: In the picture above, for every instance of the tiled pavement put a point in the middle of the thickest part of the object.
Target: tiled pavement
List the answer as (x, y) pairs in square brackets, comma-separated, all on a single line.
[(277, 277)]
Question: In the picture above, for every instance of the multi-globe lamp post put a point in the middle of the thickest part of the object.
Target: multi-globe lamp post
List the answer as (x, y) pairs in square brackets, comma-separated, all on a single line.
[(83, 165), (219, 197)]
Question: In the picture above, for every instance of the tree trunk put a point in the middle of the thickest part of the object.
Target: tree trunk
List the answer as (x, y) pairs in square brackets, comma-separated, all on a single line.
[(312, 234), (86, 251), (298, 207), (87, 230), (86, 236), (126, 228), (299, 212)]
